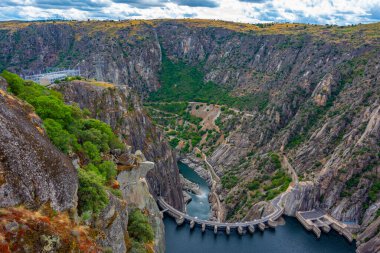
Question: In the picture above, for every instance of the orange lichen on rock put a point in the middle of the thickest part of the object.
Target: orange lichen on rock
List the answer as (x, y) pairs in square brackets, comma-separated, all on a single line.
[(115, 184), (22, 229)]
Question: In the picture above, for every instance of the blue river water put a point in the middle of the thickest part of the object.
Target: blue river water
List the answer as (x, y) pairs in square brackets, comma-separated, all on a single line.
[(199, 205), (290, 238)]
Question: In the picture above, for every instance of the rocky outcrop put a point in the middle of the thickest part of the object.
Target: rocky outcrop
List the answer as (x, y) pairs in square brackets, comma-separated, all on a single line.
[(3, 84), (121, 109), (198, 166), (369, 239), (135, 191), (133, 59), (303, 197), (112, 224), (32, 170), (189, 186), (259, 210), (25, 230)]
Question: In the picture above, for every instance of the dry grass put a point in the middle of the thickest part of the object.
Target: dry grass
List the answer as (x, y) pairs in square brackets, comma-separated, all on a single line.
[(354, 35), (21, 228), (95, 83), (101, 84)]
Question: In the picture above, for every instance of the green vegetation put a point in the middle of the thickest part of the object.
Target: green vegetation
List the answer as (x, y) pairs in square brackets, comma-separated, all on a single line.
[(279, 183), (275, 160), (174, 142), (253, 185), (72, 131), (91, 193), (374, 191), (178, 108), (268, 182), (139, 230), (178, 123), (169, 106), (229, 181), (181, 82)]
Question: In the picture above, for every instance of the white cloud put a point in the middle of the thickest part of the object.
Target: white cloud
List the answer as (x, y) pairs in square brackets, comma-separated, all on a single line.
[(253, 11)]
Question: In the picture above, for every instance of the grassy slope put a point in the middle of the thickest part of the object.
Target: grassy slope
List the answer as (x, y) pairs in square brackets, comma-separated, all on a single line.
[(181, 82)]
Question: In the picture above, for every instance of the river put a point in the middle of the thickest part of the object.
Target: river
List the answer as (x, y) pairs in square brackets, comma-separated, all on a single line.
[(290, 238)]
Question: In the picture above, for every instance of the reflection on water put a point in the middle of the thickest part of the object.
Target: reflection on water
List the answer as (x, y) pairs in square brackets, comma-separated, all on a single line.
[(291, 238)]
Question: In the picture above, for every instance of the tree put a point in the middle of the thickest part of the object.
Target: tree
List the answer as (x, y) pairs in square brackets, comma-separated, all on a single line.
[(92, 151), (139, 227), (91, 193)]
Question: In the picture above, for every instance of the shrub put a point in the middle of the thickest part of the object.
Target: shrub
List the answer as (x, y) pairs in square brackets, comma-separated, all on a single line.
[(229, 181), (374, 191), (15, 82), (138, 247), (107, 169), (92, 196), (353, 181), (172, 132), (50, 107), (254, 185), (275, 160), (59, 136), (139, 228), (92, 151), (174, 142)]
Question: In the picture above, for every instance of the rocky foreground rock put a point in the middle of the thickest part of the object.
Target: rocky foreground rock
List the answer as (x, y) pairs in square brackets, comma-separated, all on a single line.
[(33, 171)]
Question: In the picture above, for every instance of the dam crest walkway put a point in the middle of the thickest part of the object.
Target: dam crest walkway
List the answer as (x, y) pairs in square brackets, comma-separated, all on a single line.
[(181, 217)]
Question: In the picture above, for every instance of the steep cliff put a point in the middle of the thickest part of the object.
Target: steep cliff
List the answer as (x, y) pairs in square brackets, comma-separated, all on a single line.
[(42, 192), (121, 109), (132, 59), (34, 174), (136, 192)]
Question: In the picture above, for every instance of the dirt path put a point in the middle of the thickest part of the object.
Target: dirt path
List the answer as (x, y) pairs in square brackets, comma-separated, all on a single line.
[(289, 167)]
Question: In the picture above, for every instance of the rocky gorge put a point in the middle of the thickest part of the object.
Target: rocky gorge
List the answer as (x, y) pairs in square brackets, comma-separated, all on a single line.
[(307, 92)]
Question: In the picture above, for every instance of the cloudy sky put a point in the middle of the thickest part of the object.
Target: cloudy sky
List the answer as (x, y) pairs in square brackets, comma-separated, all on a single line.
[(253, 11)]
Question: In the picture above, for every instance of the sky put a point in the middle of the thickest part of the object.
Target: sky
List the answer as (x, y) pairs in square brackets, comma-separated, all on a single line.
[(340, 12)]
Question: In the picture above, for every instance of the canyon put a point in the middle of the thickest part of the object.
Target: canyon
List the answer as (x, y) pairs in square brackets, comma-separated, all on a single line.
[(305, 95)]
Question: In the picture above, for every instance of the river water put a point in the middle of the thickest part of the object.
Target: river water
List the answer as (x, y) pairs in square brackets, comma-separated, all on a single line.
[(290, 238)]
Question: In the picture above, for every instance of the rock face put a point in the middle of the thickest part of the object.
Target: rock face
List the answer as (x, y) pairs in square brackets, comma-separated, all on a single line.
[(189, 186), (3, 84), (113, 224), (136, 192), (32, 170), (371, 237), (302, 198), (121, 109), (132, 60)]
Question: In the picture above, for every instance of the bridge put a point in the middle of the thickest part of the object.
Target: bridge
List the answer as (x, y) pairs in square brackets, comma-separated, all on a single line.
[(50, 77), (241, 227)]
